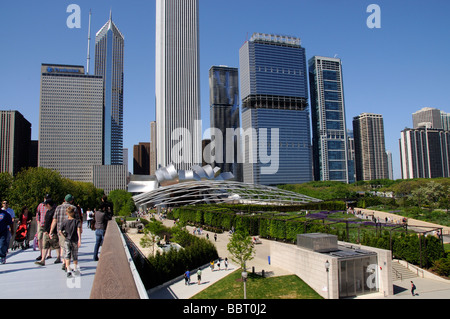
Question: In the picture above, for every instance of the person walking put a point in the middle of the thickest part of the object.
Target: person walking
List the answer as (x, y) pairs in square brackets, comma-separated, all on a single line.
[(5, 233), (101, 222), (71, 229), (49, 244), (41, 210), (413, 289), (89, 218), (187, 277), (199, 276), (58, 218), (226, 263), (10, 234)]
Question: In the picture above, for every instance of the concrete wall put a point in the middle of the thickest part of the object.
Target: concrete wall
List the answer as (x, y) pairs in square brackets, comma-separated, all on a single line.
[(310, 267)]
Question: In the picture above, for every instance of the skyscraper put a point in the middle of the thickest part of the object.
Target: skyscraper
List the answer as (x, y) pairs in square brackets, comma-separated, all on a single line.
[(370, 151), (141, 159), (425, 153), (224, 115), (177, 86), (153, 148), (109, 56), (15, 142), (427, 117), (445, 121), (329, 129), (274, 93), (70, 121)]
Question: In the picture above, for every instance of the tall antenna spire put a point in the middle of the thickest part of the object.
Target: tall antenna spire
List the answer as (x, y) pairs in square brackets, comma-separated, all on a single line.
[(110, 14), (89, 44)]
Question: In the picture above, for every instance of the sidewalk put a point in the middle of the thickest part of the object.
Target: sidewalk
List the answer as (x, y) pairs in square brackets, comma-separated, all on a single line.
[(176, 289)]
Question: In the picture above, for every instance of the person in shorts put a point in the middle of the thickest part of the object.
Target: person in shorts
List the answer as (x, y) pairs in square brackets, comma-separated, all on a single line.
[(49, 243), (71, 230)]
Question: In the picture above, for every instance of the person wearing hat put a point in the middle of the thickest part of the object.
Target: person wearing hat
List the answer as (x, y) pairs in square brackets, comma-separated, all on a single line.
[(58, 218)]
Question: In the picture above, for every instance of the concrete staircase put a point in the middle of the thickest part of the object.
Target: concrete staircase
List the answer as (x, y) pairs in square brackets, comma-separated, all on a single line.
[(400, 272)]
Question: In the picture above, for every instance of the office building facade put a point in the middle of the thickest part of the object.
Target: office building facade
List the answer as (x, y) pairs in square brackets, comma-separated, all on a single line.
[(141, 159), (70, 121), (445, 117), (329, 129), (425, 153), (15, 142), (427, 117), (109, 63), (351, 157), (275, 110), (178, 127), (153, 164), (225, 116), (370, 151), (110, 177)]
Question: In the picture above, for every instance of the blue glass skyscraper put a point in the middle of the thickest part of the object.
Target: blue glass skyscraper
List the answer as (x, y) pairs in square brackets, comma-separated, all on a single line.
[(109, 56), (275, 102), (330, 158)]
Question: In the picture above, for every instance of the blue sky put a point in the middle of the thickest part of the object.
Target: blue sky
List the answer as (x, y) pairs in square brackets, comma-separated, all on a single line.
[(394, 71)]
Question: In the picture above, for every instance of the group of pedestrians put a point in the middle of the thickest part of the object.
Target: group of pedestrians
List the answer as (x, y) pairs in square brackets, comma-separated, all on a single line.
[(59, 228)]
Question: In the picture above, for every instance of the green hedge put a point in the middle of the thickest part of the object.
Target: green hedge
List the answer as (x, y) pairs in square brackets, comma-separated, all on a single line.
[(408, 246)]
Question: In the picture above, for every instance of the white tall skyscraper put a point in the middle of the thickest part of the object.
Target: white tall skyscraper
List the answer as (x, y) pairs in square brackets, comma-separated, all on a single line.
[(177, 84)]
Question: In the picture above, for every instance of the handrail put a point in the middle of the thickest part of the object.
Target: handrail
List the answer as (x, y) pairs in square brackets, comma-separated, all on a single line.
[(114, 278), (398, 274)]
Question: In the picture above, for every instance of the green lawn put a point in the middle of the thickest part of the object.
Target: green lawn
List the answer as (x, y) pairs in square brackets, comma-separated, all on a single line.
[(447, 247), (284, 287)]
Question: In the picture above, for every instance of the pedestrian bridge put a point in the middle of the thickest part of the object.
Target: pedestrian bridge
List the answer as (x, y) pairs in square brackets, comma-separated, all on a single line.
[(114, 276)]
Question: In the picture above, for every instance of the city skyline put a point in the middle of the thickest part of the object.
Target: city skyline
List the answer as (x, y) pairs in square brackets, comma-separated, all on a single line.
[(379, 75)]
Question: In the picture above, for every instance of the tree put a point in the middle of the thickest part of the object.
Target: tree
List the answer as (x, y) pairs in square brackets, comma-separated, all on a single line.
[(241, 248), (429, 194), (30, 186), (149, 240), (6, 181), (122, 201)]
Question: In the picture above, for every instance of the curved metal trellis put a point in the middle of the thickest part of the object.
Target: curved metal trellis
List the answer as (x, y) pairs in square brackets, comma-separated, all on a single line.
[(210, 191)]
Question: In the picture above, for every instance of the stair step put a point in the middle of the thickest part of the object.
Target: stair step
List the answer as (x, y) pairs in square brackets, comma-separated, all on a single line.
[(404, 272)]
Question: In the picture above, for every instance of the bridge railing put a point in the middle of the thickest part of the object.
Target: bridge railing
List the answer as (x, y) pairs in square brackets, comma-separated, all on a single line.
[(116, 276)]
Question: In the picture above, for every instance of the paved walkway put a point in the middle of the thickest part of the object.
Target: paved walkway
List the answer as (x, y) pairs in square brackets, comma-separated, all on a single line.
[(411, 222), (20, 278), (176, 289)]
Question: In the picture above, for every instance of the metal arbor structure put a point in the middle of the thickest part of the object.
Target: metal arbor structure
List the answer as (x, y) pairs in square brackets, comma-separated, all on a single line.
[(215, 192), (207, 185)]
